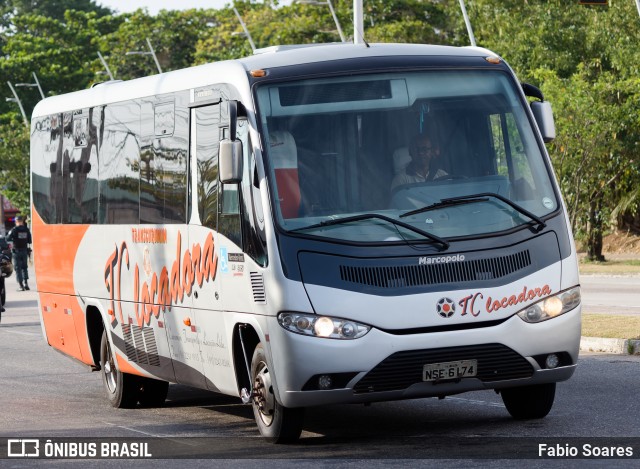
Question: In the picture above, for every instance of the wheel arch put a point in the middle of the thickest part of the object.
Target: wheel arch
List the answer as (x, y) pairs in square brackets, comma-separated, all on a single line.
[(95, 327), (250, 339)]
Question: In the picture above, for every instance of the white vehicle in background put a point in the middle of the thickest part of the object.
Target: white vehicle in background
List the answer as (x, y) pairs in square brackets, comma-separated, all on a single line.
[(232, 227)]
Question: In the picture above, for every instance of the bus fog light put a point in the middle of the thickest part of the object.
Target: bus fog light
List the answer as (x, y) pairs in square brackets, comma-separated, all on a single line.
[(325, 382), (552, 361)]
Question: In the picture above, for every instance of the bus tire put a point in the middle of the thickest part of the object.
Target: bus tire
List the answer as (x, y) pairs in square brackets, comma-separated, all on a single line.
[(153, 392), (277, 423), (122, 389), (529, 402)]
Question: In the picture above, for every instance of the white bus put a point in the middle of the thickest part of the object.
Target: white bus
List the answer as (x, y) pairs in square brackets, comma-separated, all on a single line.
[(233, 227)]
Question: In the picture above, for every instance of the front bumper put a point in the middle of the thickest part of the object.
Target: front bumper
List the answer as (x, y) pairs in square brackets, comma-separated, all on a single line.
[(389, 367)]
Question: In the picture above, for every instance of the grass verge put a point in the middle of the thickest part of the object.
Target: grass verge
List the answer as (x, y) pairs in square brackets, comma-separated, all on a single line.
[(614, 326), (618, 267)]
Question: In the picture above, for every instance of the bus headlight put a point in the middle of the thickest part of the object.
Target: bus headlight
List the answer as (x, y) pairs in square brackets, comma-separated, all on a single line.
[(322, 326), (552, 306)]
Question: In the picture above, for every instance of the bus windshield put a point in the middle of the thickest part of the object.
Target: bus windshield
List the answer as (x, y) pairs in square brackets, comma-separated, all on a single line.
[(356, 158)]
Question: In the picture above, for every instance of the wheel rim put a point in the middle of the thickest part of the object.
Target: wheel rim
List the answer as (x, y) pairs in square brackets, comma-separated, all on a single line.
[(263, 398), (109, 370)]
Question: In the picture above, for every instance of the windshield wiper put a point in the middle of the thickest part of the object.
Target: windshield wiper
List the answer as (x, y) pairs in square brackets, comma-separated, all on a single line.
[(368, 216), (482, 197)]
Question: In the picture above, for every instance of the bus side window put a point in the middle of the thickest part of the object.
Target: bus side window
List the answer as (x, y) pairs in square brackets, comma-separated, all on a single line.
[(512, 160), (207, 120), (229, 205), (255, 243)]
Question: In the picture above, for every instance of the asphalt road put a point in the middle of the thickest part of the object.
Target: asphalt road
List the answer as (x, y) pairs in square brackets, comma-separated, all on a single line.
[(46, 395), (619, 294)]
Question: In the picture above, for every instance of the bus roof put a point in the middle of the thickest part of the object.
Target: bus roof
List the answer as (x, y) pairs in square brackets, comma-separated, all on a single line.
[(282, 56), (236, 70)]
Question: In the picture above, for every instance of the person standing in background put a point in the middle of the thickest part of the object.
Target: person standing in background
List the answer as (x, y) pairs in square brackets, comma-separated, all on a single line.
[(20, 236)]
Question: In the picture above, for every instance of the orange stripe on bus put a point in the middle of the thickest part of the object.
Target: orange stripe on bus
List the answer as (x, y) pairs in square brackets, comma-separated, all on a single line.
[(55, 253), (125, 367), (62, 328)]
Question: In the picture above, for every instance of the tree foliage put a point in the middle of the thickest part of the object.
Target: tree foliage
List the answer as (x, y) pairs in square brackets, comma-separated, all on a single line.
[(15, 177), (586, 60)]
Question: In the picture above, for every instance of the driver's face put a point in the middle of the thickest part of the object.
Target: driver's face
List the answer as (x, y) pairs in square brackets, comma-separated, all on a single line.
[(423, 150)]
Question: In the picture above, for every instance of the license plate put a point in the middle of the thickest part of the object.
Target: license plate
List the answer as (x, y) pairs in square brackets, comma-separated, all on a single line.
[(450, 370)]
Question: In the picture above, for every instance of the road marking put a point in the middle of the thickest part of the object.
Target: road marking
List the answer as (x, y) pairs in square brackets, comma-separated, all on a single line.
[(475, 401), (135, 430), (174, 439), (21, 333)]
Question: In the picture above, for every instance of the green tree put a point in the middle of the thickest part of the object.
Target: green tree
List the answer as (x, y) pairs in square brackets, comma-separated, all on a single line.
[(406, 21), (412, 21), (14, 175), (585, 59), (591, 155), (55, 9), (172, 34), (59, 52), (50, 8), (56, 43)]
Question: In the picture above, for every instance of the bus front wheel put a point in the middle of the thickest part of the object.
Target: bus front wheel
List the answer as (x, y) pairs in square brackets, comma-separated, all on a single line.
[(529, 402), (122, 389), (275, 422)]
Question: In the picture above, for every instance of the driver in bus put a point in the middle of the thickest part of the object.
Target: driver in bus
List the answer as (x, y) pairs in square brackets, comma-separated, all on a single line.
[(424, 152)]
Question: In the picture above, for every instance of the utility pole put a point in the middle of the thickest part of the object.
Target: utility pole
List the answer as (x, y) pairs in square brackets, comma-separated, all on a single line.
[(17, 100), (468, 23), (151, 53), (36, 84), (106, 67), (333, 14), (358, 22), (244, 28), (335, 20)]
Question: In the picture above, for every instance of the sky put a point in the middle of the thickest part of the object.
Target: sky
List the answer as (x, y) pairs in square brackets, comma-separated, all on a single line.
[(154, 6)]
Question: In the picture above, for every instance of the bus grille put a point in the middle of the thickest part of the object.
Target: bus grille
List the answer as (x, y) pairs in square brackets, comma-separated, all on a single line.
[(496, 362), (433, 274), (257, 285), (140, 345)]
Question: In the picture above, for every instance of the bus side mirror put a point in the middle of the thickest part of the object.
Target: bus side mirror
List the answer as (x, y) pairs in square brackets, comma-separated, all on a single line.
[(541, 112), (544, 118), (230, 165)]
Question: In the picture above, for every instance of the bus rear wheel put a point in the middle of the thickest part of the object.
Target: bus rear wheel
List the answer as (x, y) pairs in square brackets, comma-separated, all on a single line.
[(277, 423), (529, 402), (122, 389)]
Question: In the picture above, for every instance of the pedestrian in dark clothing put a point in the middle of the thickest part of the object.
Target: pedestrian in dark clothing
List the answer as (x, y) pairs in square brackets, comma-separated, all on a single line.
[(20, 236), (6, 269)]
